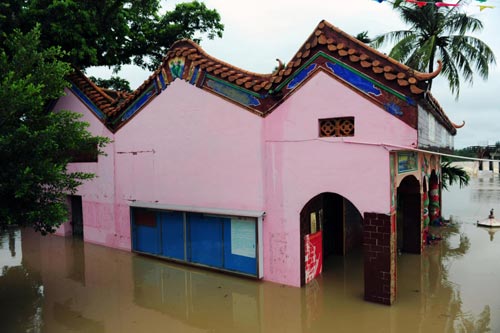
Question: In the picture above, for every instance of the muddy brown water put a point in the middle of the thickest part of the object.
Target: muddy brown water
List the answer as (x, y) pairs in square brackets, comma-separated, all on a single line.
[(53, 284)]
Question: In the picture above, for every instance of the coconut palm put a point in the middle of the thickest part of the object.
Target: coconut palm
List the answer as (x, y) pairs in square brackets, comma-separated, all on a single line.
[(452, 174), (438, 32), (363, 37)]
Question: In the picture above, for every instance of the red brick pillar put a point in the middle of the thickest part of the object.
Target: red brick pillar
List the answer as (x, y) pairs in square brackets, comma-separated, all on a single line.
[(379, 258)]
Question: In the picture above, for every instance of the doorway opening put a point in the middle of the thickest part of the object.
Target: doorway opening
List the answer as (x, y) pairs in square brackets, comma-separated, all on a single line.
[(77, 216), (330, 225), (408, 216)]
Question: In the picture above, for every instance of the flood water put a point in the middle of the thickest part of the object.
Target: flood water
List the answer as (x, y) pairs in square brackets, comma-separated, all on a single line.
[(54, 284)]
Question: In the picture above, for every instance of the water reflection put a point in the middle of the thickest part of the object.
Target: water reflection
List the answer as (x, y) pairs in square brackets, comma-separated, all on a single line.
[(491, 232), (196, 297), (53, 284), (9, 248), (21, 290)]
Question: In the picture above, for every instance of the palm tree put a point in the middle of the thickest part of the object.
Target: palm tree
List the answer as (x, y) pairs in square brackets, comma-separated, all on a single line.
[(438, 32), (363, 37), (451, 174)]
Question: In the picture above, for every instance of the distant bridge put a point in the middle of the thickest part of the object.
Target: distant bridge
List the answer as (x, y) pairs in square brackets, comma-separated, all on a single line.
[(490, 153)]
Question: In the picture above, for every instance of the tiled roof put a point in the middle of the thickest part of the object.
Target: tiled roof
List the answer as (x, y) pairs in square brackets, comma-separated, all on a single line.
[(101, 98), (261, 93)]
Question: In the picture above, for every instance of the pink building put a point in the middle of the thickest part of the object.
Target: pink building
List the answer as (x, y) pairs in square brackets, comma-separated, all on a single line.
[(266, 174)]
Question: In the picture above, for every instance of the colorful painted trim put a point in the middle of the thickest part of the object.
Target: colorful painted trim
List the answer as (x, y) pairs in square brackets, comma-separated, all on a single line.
[(87, 102), (193, 76), (234, 93), (393, 108), (331, 59), (354, 79), (177, 66), (148, 94), (392, 160), (407, 162), (163, 82), (301, 76)]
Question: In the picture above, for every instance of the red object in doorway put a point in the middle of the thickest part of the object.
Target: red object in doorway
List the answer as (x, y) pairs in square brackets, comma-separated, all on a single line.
[(313, 255)]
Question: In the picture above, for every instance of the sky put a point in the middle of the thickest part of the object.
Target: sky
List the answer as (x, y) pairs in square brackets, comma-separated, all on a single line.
[(259, 31)]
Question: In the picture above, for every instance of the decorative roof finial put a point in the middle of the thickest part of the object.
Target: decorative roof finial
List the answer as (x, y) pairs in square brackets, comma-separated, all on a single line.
[(281, 65), (428, 76), (458, 126)]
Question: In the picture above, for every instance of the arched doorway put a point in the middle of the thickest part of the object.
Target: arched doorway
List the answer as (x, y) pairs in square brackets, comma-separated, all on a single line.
[(329, 225), (408, 215)]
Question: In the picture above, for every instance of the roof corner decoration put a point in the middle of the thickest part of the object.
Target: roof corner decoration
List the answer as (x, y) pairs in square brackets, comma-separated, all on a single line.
[(458, 126), (395, 87), (429, 76)]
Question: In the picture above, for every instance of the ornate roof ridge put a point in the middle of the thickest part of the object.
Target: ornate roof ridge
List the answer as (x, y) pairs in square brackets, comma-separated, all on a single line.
[(258, 81), (96, 94), (420, 75), (326, 46), (179, 43)]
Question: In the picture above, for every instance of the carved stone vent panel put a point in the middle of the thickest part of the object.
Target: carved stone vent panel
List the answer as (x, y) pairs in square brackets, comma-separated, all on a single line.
[(336, 127)]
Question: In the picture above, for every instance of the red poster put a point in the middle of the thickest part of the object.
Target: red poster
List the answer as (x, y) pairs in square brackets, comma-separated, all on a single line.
[(314, 255)]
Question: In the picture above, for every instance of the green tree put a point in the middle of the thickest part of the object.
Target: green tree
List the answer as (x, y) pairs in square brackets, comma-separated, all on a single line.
[(439, 33), (114, 83), (110, 32), (36, 144), (452, 174)]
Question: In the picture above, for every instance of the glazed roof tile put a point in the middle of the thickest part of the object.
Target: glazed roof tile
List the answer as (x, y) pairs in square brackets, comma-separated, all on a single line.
[(326, 38)]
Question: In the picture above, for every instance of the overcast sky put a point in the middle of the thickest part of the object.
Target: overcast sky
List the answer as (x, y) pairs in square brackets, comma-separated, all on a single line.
[(259, 31)]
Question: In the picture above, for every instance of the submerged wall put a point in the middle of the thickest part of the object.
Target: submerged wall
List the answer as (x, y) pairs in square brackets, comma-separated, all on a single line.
[(301, 165), (190, 148), (102, 224)]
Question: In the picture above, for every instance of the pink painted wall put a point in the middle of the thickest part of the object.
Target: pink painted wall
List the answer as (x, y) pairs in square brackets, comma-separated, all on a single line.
[(189, 147), (103, 223), (300, 165)]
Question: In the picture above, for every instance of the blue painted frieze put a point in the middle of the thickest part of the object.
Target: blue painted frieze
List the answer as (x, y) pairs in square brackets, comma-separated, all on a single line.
[(234, 94), (88, 102), (301, 76), (354, 79), (140, 102), (393, 108)]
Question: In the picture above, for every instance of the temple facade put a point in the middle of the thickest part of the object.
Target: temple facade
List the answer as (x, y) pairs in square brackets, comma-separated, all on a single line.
[(265, 175)]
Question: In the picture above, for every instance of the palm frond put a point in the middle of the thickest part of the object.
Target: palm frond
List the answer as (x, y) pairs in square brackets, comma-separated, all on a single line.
[(477, 51), (439, 32), (402, 49), (450, 72), (462, 23), (452, 174), (389, 37)]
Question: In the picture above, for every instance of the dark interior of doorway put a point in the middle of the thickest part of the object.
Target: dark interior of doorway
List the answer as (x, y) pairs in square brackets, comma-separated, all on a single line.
[(408, 216), (338, 219), (77, 216)]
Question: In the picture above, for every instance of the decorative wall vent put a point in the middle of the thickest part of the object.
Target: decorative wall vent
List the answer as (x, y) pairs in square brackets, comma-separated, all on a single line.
[(336, 127)]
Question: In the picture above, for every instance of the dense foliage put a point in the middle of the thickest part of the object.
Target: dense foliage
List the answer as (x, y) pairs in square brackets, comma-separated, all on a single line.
[(36, 144), (439, 33), (114, 83), (110, 32), (40, 40)]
